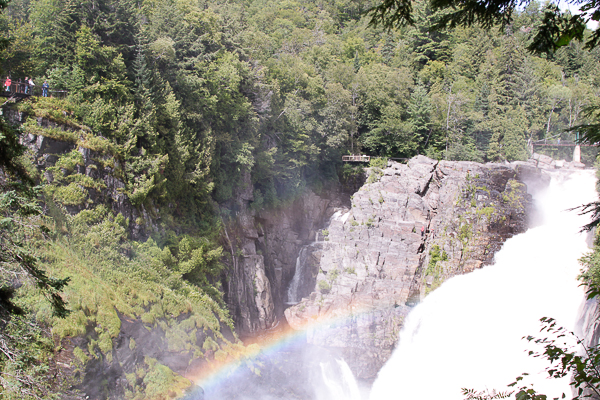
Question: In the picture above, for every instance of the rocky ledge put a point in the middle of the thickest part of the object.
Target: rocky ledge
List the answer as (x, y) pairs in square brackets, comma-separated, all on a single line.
[(412, 227)]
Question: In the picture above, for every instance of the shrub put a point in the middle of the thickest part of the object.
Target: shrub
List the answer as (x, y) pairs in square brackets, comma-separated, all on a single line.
[(378, 162), (324, 286)]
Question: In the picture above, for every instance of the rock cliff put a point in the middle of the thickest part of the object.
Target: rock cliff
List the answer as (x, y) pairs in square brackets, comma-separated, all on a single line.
[(412, 227), (264, 247), (104, 172)]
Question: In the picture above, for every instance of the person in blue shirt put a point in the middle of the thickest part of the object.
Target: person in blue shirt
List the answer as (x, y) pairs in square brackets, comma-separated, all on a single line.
[(45, 87)]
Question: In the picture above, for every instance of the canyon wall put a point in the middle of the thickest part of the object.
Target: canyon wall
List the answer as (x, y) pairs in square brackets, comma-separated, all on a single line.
[(99, 164), (412, 227), (264, 247)]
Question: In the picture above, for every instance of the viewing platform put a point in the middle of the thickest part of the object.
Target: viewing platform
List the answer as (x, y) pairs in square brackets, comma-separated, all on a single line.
[(356, 158), (20, 91)]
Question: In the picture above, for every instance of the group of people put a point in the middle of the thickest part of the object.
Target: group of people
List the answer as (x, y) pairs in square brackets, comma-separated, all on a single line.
[(25, 86)]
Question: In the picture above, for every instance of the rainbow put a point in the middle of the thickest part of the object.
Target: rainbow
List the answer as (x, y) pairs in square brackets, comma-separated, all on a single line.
[(214, 373)]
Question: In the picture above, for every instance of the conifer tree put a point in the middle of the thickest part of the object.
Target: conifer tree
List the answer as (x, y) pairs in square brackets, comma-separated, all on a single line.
[(419, 116)]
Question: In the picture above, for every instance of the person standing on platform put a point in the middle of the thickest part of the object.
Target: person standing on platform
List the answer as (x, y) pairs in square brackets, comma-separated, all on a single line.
[(7, 84), (45, 87)]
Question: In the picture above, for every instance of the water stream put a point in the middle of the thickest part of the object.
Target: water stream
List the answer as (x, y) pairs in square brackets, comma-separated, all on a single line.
[(468, 333), (293, 290), (302, 282), (338, 382)]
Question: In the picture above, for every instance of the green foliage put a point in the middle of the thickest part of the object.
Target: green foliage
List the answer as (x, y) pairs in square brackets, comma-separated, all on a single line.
[(24, 348), (487, 211), (60, 111), (20, 224), (185, 89), (465, 232), (590, 274), (69, 161), (333, 275), (167, 287), (324, 286), (374, 175), (378, 162), (71, 195), (472, 394), (513, 194), (558, 28), (160, 379), (566, 360), (433, 268), (348, 171), (53, 133), (25, 356), (435, 255)]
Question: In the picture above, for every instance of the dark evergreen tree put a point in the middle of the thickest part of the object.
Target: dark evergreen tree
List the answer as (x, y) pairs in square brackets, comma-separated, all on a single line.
[(419, 116)]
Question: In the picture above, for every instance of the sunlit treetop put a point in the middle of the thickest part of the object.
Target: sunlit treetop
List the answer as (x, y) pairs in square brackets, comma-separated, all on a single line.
[(557, 29)]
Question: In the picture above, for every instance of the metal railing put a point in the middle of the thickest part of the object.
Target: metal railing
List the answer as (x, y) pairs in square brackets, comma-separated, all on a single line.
[(560, 143), (25, 89), (356, 158)]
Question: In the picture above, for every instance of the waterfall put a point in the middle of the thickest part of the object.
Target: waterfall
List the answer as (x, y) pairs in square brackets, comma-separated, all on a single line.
[(302, 284), (468, 333), (339, 382), (298, 274)]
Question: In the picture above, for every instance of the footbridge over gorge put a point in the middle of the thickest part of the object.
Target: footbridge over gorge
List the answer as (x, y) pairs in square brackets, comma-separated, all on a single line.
[(561, 143)]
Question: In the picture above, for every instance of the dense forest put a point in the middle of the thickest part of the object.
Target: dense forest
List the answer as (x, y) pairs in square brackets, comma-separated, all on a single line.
[(185, 101), (283, 89)]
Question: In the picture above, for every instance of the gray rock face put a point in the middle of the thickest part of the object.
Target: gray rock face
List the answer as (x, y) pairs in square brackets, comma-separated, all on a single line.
[(264, 248), (404, 234), (588, 324), (547, 162)]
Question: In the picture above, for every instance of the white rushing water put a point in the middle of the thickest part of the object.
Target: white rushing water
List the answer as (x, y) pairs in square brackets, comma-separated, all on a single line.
[(468, 333), (298, 273), (339, 383), (293, 297)]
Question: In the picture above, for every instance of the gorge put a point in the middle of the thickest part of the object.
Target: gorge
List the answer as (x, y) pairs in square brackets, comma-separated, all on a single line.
[(356, 279), (397, 238), (343, 265), (177, 219)]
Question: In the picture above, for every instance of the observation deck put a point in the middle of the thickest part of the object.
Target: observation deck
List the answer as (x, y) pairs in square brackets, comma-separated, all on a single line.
[(19, 91), (356, 158)]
